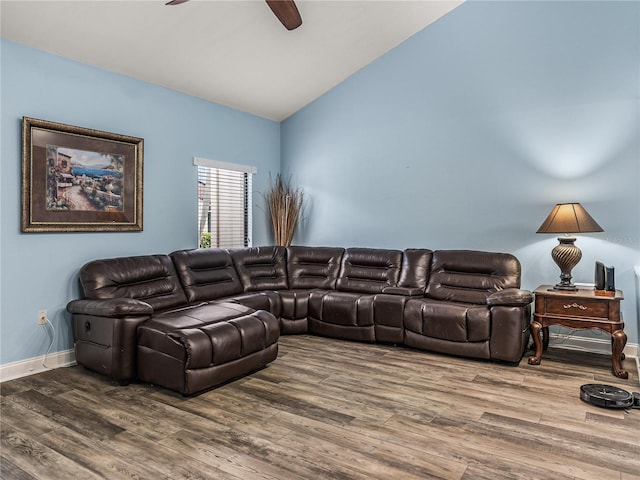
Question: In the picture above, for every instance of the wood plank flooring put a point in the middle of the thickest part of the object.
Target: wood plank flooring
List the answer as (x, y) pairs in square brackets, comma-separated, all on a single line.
[(329, 409)]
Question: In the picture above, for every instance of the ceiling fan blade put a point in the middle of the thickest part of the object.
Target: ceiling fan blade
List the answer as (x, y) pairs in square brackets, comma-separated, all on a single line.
[(285, 10), (287, 13)]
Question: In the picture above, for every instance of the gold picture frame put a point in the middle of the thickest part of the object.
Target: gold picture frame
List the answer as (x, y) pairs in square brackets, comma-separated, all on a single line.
[(77, 179)]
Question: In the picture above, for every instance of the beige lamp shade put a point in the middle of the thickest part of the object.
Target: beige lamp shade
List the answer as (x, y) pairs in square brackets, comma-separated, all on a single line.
[(569, 218)]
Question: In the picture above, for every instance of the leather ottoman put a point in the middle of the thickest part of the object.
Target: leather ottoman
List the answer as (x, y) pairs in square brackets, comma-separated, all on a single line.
[(199, 347)]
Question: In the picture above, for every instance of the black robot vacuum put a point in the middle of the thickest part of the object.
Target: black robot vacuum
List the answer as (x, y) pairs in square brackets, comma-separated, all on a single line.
[(607, 396)]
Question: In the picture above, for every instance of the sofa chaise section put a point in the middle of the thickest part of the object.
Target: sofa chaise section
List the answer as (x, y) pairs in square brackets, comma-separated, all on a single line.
[(193, 349), (136, 321)]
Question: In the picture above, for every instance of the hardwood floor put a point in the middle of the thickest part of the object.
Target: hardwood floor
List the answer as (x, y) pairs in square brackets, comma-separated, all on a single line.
[(329, 409)]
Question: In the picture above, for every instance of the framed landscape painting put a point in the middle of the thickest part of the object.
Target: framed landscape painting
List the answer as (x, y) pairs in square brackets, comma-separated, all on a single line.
[(80, 180)]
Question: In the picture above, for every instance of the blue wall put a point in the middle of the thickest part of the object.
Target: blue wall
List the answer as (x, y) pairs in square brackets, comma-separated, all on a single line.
[(39, 271), (467, 134)]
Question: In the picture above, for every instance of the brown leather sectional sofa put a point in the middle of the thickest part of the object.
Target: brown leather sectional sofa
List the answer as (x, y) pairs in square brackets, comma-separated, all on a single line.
[(194, 319)]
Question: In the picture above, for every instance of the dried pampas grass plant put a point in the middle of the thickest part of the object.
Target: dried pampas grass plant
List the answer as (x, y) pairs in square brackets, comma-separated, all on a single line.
[(285, 206)]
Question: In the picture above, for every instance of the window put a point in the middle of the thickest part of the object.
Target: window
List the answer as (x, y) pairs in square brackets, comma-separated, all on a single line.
[(224, 204)]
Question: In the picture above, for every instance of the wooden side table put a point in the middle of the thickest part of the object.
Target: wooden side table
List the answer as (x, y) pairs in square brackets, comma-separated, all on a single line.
[(580, 309)]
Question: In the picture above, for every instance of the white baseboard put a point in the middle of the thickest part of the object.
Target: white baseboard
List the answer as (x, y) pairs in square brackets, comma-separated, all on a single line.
[(31, 366), (594, 345)]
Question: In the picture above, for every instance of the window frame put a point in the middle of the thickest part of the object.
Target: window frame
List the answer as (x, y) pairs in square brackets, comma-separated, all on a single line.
[(247, 172)]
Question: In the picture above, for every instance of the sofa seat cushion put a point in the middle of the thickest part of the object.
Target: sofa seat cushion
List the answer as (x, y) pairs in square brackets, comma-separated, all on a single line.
[(295, 303), (456, 322), (343, 308), (343, 315), (174, 346), (209, 334), (294, 317)]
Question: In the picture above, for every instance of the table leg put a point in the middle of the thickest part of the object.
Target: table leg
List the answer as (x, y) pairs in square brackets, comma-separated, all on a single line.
[(545, 338), (535, 328), (619, 339), (622, 355)]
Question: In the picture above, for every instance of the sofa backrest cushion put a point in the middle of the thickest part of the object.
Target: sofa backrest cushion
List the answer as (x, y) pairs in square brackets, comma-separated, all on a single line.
[(416, 265), (368, 270), (261, 268), (470, 276), (150, 278), (206, 273), (313, 267)]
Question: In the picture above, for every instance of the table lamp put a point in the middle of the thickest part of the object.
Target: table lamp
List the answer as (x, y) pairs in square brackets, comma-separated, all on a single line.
[(568, 218)]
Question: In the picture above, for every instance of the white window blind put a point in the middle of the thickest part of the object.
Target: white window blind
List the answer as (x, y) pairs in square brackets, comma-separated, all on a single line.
[(224, 204)]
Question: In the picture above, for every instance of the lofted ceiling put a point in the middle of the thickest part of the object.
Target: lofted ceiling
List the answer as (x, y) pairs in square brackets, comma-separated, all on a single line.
[(235, 52)]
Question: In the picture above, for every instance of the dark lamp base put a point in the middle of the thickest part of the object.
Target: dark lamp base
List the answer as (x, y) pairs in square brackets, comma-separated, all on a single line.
[(566, 255)]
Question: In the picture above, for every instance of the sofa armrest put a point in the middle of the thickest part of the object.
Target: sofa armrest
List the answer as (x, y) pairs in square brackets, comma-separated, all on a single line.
[(509, 332), (108, 344), (513, 297), (409, 292), (110, 307)]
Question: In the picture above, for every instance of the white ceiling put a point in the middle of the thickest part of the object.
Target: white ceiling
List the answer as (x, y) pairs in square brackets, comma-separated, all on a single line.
[(235, 53)]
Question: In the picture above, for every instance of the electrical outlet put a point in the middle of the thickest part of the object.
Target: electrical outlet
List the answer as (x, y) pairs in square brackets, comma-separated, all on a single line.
[(42, 317)]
